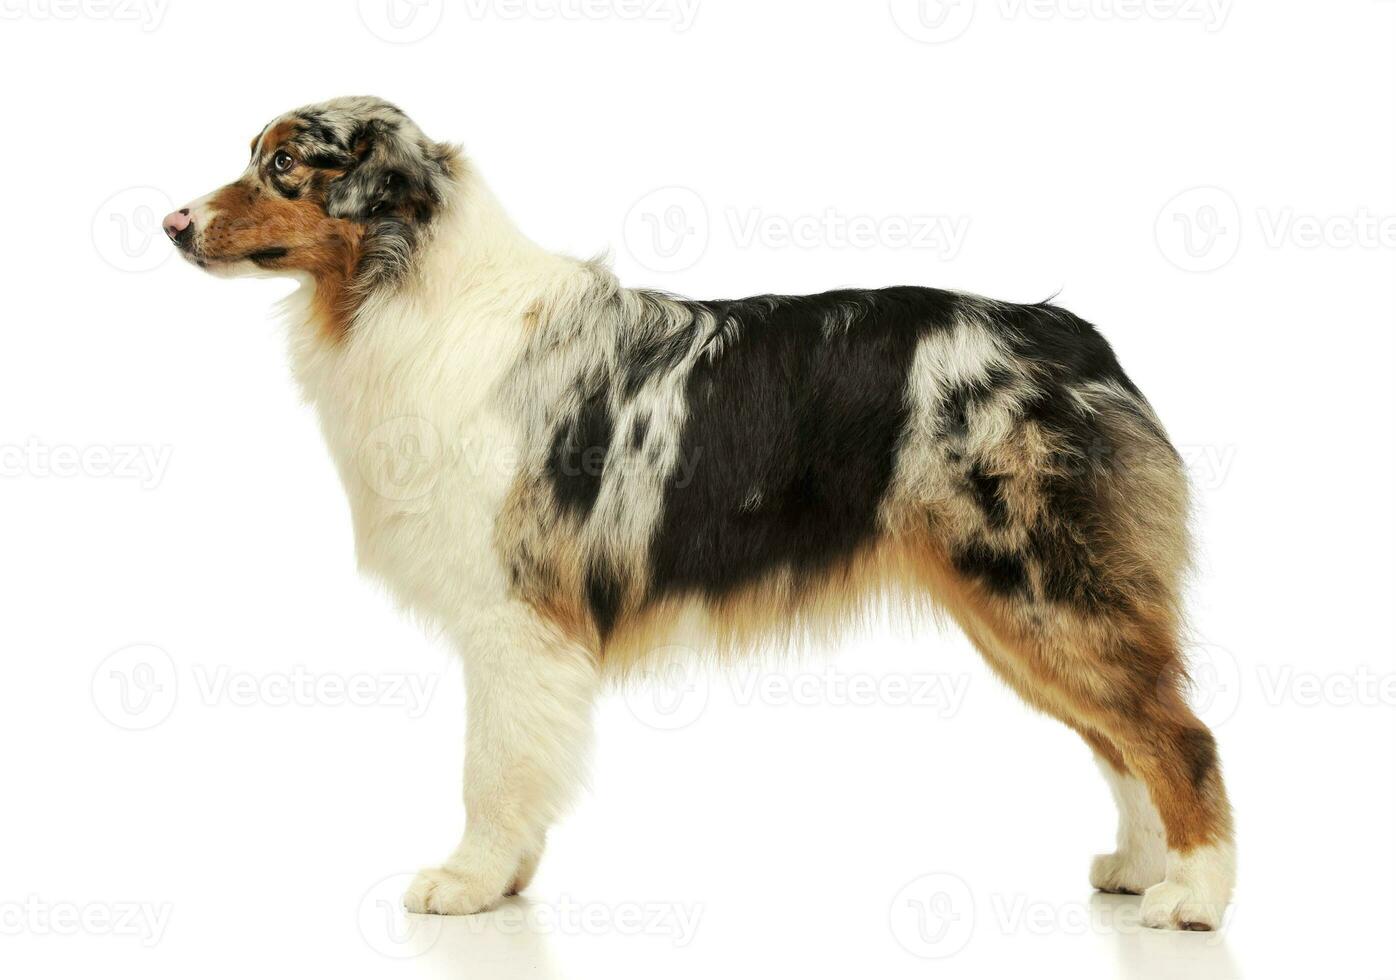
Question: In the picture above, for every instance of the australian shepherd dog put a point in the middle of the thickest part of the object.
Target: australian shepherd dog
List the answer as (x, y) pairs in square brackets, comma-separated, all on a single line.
[(564, 475)]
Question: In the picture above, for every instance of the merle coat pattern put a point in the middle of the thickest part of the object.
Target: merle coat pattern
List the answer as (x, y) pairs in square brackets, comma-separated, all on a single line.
[(597, 473)]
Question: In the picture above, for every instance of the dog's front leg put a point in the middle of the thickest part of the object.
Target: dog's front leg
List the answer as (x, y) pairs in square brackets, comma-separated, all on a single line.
[(529, 695)]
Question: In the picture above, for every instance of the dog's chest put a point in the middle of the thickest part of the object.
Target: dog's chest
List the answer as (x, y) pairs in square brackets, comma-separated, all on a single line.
[(426, 462)]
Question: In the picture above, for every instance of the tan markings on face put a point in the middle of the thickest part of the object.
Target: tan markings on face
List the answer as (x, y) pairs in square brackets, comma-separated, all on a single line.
[(274, 137), (253, 222)]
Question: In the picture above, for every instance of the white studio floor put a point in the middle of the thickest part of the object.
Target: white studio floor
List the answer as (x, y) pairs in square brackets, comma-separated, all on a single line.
[(750, 826)]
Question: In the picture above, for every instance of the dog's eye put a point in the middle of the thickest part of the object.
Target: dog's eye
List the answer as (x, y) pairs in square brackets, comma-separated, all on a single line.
[(283, 161)]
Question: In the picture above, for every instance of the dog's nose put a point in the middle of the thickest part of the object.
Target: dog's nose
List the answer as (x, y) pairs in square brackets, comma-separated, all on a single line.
[(177, 225)]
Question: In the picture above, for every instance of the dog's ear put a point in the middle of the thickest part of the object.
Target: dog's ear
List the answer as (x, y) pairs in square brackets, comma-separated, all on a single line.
[(363, 190), (392, 175)]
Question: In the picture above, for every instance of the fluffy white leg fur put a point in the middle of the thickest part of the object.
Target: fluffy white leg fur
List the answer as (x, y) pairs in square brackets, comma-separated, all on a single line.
[(528, 864), (529, 701), (1140, 850), (1195, 892)]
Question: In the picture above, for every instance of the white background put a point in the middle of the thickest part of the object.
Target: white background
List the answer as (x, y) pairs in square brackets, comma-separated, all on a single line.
[(211, 802)]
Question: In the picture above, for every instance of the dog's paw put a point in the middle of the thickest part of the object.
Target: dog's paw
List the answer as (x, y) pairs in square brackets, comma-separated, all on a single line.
[(451, 891), (1126, 873), (1196, 891), (1175, 905)]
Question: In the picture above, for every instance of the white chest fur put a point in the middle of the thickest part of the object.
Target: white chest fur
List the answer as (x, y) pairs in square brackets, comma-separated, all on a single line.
[(425, 462), (406, 405)]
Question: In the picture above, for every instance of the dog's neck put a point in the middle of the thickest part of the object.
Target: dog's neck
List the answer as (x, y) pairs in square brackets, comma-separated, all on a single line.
[(474, 281), (472, 241)]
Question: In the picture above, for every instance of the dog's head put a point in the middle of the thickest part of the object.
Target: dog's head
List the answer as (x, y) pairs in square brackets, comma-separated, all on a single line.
[(342, 191)]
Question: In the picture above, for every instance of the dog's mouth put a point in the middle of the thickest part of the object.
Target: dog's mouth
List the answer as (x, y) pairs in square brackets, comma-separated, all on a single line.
[(265, 258)]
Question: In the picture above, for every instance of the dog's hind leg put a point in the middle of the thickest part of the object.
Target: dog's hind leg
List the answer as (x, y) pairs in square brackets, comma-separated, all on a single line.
[(1139, 859), (529, 696), (1115, 674), (1122, 692), (1175, 756), (1064, 568)]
